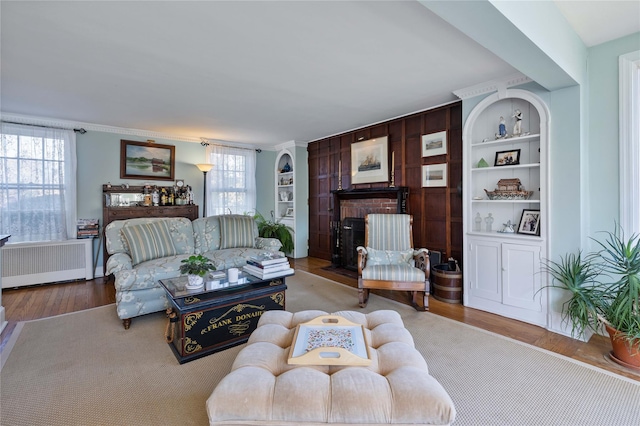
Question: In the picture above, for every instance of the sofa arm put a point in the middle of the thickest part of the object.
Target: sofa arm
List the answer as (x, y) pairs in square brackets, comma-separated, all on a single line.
[(271, 244), (118, 262)]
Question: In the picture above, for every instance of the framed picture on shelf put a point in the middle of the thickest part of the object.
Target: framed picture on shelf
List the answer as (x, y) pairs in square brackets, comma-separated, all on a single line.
[(507, 158), (434, 144), (289, 212), (145, 160), (369, 161), (529, 222), (434, 175)]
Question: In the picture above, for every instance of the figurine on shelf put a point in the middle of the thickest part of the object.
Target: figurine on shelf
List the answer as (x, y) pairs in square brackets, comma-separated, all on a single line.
[(517, 127), (286, 168), (502, 129), (478, 223), (489, 221), (507, 228)]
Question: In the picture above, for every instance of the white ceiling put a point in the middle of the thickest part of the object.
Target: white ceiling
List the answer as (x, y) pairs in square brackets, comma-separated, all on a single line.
[(258, 73)]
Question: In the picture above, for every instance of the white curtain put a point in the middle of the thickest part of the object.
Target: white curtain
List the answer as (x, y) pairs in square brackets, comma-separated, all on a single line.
[(231, 183), (37, 183)]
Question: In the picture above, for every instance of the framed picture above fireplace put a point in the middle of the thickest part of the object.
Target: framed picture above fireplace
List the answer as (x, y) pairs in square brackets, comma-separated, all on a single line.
[(370, 161)]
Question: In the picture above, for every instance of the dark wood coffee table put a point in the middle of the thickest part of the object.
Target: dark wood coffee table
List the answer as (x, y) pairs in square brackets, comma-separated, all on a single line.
[(220, 314)]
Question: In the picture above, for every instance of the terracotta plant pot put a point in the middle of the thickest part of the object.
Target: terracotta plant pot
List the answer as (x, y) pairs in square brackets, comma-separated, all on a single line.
[(623, 353)]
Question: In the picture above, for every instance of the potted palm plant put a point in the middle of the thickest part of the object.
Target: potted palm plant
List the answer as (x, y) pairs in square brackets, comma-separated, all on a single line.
[(275, 229), (604, 289), (196, 267)]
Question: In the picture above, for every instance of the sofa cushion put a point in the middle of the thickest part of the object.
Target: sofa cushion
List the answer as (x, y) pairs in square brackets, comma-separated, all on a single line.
[(237, 231), (147, 274), (149, 241), (180, 228), (388, 257)]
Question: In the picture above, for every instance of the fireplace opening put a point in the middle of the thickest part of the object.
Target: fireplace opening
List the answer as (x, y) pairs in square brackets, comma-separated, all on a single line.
[(352, 236)]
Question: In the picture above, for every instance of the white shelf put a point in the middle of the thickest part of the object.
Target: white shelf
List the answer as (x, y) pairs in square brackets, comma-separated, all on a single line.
[(285, 184), (517, 166), (507, 235), (507, 141), (506, 201)]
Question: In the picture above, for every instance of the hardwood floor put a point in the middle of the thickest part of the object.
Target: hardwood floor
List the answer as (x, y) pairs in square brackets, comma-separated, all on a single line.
[(24, 304)]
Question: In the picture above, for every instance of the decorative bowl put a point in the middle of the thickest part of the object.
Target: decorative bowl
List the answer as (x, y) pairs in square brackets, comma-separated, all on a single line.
[(508, 195)]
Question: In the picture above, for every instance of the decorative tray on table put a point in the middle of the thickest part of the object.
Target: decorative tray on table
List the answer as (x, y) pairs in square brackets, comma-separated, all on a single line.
[(329, 340)]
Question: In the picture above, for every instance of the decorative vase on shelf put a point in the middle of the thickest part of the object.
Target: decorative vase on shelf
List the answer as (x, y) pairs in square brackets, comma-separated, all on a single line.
[(286, 168)]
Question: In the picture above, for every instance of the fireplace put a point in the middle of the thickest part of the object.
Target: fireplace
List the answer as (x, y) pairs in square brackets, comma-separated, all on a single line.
[(352, 237), (349, 209)]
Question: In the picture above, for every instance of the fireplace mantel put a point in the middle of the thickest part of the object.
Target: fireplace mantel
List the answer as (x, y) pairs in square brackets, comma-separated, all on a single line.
[(400, 193)]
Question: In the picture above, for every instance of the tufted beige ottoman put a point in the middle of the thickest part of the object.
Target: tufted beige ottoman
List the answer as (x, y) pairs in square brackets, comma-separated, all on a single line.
[(262, 389)]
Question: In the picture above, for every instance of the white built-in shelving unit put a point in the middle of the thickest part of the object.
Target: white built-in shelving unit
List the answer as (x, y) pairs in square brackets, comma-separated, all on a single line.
[(503, 270)]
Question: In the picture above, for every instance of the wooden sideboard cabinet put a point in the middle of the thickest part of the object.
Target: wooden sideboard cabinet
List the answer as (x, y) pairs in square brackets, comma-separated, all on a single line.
[(131, 211)]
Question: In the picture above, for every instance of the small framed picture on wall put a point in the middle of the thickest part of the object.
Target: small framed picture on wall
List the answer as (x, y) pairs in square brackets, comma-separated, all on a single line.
[(434, 175), (434, 144)]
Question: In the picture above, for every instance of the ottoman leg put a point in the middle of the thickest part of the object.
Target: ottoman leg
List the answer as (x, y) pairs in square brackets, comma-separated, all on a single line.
[(126, 323)]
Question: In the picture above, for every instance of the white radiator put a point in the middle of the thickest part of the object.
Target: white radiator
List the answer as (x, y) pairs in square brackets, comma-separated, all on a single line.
[(46, 262)]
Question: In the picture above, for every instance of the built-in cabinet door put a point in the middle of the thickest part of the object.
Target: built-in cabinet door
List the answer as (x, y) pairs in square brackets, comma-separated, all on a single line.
[(521, 276), (484, 272)]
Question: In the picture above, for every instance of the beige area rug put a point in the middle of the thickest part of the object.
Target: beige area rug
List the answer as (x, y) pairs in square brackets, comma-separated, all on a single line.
[(85, 369)]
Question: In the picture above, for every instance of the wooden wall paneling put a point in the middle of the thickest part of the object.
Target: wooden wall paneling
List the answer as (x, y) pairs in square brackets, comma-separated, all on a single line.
[(319, 199), (345, 149), (379, 131), (437, 211), (436, 121)]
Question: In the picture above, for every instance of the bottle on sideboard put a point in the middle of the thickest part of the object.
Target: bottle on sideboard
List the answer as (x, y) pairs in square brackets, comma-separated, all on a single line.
[(155, 196)]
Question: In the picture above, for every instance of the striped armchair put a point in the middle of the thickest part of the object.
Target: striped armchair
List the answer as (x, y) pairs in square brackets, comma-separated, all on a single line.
[(389, 261)]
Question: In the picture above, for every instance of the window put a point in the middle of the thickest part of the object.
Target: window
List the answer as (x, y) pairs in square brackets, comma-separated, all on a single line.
[(37, 183), (630, 142), (231, 181)]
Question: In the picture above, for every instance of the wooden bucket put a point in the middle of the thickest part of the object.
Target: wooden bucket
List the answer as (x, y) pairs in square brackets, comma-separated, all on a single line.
[(446, 284)]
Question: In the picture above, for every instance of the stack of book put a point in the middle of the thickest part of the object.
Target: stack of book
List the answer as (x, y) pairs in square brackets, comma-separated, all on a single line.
[(88, 228), (265, 267)]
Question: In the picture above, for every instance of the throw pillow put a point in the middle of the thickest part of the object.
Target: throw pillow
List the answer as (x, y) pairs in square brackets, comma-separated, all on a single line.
[(149, 241), (236, 231), (388, 257)]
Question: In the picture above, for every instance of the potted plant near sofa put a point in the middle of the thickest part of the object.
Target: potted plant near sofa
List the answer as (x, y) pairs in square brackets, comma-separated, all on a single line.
[(275, 229), (196, 267), (605, 289)]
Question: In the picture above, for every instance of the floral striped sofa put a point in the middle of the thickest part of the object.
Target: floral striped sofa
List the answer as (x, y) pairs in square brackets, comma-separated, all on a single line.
[(145, 250)]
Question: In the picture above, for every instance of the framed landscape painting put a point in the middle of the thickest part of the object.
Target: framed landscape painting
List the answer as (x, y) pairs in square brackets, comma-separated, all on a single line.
[(434, 144), (369, 161), (434, 175), (143, 160)]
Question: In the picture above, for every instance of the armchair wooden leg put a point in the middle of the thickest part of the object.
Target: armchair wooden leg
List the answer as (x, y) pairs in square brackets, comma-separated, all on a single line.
[(363, 297), (126, 323), (420, 300)]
